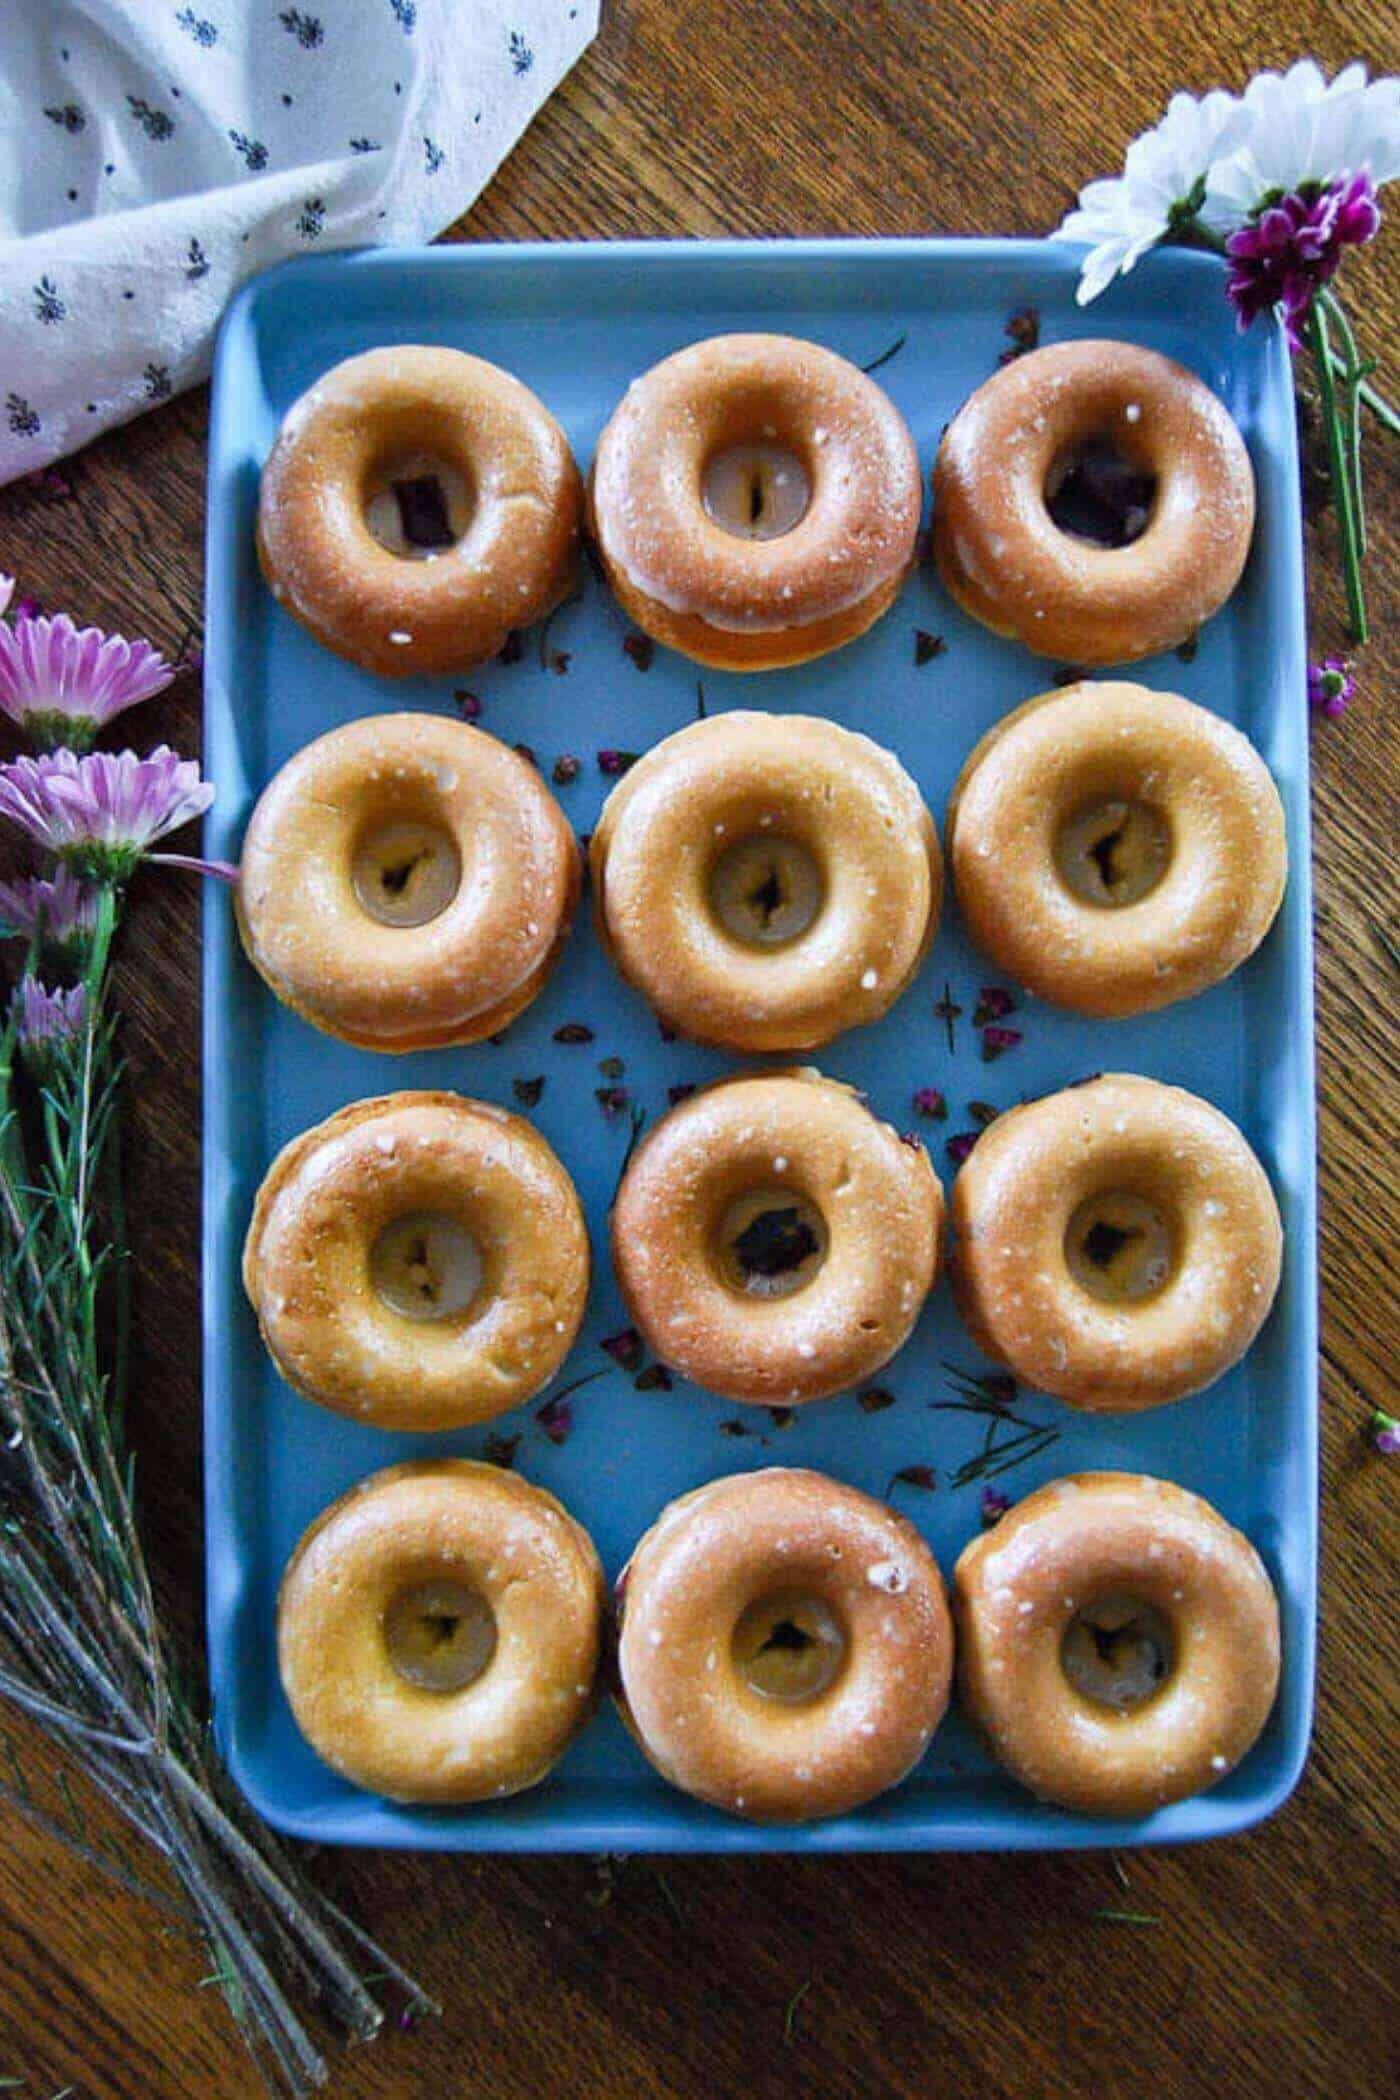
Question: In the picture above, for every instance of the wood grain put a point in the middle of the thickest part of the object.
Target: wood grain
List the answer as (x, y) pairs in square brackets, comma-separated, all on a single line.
[(1268, 1969)]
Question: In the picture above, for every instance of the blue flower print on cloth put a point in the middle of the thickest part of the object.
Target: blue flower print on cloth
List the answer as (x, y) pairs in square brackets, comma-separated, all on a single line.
[(154, 153)]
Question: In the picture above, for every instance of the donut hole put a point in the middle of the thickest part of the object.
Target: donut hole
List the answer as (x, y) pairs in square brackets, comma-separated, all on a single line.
[(756, 490), (418, 506), (772, 1242), (1118, 1652), (440, 1634), (766, 891), (1094, 493), (789, 1647), (426, 1266), (1113, 852), (406, 872), (1120, 1247)]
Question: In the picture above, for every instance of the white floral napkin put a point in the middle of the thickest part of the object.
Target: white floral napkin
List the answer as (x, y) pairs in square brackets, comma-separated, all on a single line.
[(153, 153)]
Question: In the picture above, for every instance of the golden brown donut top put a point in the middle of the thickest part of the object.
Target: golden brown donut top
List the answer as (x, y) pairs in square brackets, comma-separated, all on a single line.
[(461, 972), (863, 512), (1004, 558), (345, 436)]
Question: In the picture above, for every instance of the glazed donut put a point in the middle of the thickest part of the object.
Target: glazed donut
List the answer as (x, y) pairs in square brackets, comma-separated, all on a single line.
[(1116, 1244), (418, 505), (1118, 1642), (766, 880), (1094, 500), (418, 1261), (755, 501), (439, 1630), (1115, 849), (407, 883), (784, 1645), (775, 1242)]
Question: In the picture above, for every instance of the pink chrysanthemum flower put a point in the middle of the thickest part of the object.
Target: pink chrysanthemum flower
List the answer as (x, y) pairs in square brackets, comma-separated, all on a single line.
[(102, 813), (44, 1018), (61, 912), (1293, 245), (62, 683)]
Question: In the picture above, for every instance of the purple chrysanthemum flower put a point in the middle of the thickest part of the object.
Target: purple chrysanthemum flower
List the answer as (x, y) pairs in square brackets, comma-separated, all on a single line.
[(102, 813), (1385, 1434), (1330, 686), (1293, 245), (61, 912), (45, 1018), (61, 683), (994, 1506)]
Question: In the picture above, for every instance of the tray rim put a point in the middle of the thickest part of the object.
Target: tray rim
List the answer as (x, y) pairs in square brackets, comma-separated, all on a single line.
[(706, 1831)]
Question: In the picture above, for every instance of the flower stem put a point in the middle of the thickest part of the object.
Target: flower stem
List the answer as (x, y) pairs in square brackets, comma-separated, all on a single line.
[(1354, 373), (1341, 476)]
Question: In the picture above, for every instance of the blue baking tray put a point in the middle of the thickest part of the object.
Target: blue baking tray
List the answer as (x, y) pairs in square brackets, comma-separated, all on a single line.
[(576, 323)]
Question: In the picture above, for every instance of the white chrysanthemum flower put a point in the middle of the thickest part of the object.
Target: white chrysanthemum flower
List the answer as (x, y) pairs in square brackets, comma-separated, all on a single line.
[(1163, 182), (1302, 128)]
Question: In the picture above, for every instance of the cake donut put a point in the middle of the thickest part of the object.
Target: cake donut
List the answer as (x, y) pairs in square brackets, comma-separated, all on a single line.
[(1114, 849), (1094, 500), (766, 881), (1116, 1244), (407, 882), (1118, 1642), (784, 1645), (439, 1630), (773, 1240), (755, 501), (418, 505), (418, 1261)]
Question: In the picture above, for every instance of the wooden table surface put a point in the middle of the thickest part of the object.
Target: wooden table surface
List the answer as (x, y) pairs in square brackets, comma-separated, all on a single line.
[(1269, 1966)]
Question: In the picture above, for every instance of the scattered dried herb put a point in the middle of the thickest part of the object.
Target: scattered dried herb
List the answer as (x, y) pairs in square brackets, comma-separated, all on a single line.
[(526, 752), (574, 1032), (611, 1067), (1068, 674), (500, 1450), (682, 1091), (790, 2015), (612, 763), (994, 1003), (468, 704), (566, 769), (611, 1099), (996, 1041), (948, 1010), (958, 1147), (874, 1399), (885, 355), (625, 1348), (1023, 333), (641, 648), (782, 1417), (1186, 651), (993, 1508), (527, 1091), (918, 1476), (928, 1101), (555, 659), (699, 701), (982, 1113), (639, 1116), (556, 1417), (927, 646), (1125, 1917), (654, 1379), (512, 648), (735, 1427)]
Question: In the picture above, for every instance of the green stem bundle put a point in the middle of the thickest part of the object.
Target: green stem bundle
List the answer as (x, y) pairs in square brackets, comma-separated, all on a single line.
[(82, 1650)]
